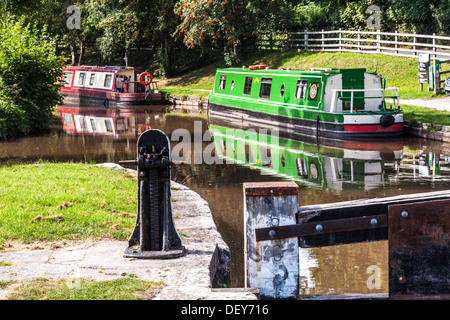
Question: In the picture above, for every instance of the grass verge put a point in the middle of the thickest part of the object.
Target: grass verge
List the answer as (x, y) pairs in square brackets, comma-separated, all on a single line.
[(415, 114), (65, 201), (85, 289)]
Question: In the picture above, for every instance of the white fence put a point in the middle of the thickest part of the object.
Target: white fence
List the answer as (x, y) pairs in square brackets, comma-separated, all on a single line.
[(398, 44)]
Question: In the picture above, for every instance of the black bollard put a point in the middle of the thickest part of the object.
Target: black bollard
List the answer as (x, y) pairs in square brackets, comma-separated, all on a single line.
[(154, 235)]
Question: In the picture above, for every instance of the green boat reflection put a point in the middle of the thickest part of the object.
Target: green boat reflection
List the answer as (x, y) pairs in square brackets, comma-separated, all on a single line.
[(334, 165)]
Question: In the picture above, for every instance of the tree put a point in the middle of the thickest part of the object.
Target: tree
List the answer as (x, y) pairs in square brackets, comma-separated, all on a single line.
[(229, 24), (407, 16), (125, 23), (30, 71)]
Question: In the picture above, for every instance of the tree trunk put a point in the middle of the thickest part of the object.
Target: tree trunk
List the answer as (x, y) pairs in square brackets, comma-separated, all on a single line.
[(73, 52), (82, 44)]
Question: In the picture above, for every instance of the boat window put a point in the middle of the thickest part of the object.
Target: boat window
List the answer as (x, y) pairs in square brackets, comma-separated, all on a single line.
[(107, 82), (83, 123), (223, 79), (266, 85), (68, 121), (300, 92), (68, 79), (232, 85), (108, 125), (301, 168), (93, 125), (266, 156), (91, 80), (248, 85), (81, 78), (282, 90)]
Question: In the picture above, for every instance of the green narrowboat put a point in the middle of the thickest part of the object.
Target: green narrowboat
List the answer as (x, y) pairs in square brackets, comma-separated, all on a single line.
[(330, 103)]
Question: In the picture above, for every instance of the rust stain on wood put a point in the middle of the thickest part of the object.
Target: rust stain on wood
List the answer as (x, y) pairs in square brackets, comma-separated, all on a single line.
[(419, 250)]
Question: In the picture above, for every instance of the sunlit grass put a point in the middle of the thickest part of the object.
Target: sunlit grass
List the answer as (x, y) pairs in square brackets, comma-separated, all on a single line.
[(83, 289), (425, 115), (51, 202)]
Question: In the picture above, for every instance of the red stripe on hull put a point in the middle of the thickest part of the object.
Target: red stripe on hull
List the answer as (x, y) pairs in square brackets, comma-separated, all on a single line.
[(373, 128)]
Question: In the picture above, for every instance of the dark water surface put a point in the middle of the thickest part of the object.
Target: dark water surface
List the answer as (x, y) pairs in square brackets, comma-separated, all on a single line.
[(324, 173)]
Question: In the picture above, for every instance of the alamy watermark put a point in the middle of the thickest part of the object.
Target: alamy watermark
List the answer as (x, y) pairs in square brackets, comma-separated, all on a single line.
[(225, 146), (74, 280), (374, 280), (74, 20), (374, 20)]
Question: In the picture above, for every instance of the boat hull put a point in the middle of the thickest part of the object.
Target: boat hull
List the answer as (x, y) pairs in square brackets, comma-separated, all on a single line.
[(345, 126), (110, 98)]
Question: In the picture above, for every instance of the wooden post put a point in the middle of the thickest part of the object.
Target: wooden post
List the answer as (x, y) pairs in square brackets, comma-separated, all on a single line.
[(378, 40), (396, 44), (434, 46), (306, 40), (340, 42), (323, 42), (437, 80), (272, 266), (359, 40)]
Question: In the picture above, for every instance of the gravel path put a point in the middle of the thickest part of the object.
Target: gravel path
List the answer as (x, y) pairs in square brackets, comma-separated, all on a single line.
[(442, 104)]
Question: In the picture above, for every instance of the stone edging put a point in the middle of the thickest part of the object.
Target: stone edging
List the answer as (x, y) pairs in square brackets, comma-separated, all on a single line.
[(424, 131)]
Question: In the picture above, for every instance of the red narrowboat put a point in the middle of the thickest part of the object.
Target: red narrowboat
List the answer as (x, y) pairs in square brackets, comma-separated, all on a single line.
[(110, 85)]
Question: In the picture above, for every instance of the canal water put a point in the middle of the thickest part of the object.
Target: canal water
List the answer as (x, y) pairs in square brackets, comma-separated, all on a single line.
[(217, 168)]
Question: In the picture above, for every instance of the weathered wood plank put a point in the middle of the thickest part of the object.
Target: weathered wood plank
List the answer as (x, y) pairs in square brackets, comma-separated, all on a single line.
[(353, 209), (419, 250), (271, 266)]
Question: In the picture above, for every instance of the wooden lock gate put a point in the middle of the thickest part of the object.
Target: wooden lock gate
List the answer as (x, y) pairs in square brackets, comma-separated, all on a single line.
[(416, 227)]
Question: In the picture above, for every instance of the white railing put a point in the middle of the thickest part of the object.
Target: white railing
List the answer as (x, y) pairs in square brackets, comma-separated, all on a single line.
[(391, 43), (337, 95)]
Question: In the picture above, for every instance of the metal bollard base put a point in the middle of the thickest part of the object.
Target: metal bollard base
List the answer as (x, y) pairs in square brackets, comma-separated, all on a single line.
[(136, 253)]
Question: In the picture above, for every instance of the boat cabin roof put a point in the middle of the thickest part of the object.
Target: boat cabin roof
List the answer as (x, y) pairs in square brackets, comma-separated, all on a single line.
[(98, 68), (311, 71)]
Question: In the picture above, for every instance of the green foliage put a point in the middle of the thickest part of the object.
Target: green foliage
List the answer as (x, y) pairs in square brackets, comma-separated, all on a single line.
[(312, 16), (29, 78), (396, 15), (123, 23), (440, 13), (227, 25), (12, 120), (193, 32)]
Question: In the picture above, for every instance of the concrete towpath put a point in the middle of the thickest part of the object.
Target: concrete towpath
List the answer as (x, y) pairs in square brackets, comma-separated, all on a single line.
[(186, 278)]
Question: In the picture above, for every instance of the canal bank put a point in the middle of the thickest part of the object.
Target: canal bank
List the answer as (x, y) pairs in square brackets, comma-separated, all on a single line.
[(425, 130), (205, 265)]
